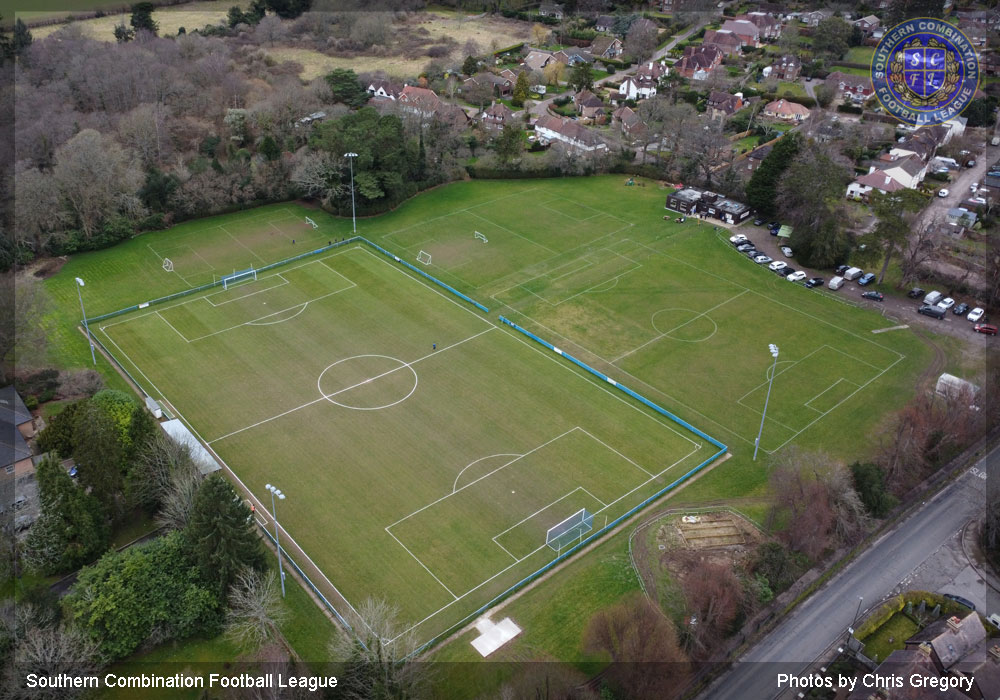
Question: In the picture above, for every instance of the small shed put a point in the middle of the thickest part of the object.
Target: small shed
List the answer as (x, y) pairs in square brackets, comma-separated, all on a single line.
[(153, 407)]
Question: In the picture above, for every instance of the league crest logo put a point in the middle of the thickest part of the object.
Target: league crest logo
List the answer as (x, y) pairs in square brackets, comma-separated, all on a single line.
[(925, 71)]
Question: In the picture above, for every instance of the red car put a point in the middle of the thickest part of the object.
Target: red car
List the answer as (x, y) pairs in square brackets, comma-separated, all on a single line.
[(986, 328)]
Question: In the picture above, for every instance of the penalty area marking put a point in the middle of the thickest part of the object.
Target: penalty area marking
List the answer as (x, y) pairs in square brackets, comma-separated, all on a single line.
[(402, 364), (454, 486)]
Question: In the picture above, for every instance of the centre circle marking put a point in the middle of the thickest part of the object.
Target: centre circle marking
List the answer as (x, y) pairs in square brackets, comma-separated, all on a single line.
[(329, 397)]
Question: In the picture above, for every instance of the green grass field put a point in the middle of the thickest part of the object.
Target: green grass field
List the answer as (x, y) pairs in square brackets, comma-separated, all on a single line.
[(430, 474)]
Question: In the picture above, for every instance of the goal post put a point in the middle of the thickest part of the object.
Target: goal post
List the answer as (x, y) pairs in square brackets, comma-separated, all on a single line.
[(424, 257), (570, 529), (311, 222), (168, 264), (239, 276), (481, 237)]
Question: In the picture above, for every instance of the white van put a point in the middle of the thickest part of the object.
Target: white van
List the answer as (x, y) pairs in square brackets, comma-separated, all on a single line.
[(933, 298), (853, 273), (836, 283), (994, 620)]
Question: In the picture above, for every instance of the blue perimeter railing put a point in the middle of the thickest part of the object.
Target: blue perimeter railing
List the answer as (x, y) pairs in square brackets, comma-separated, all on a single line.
[(614, 523), (318, 251)]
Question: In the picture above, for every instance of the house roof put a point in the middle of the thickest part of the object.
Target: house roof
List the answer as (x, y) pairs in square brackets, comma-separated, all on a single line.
[(569, 128), (718, 99), (790, 60), (870, 19), (498, 110), (723, 37), (421, 98), (983, 664), (760, 153), (853, 81), (451, 114), (387, 86), (904, 663), (952, 638), (651, 69), (879, 181), (605, 21), (537, 60), (911, 165), (12, 408), (741, 27), (783, 107), (12, 444), (626, 115), (602, 43), (585, 98)]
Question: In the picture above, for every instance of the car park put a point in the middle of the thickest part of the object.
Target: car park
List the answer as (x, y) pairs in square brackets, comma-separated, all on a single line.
[(873, 295), (777, 265), (737, 239), (960, 309), (762, 259), (866, 279), (946, 303), (815, 282), (796, 276), (786, 251), (932, 311), (976, 314), (985, 328), (915, 293), (841, 269), (943, 192)]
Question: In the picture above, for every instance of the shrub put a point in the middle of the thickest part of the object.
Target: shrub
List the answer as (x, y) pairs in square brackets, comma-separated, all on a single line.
[(31, 402), (849, 109)]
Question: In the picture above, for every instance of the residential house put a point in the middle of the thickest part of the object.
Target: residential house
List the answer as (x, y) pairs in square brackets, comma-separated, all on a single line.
[(903, 664), (691, 201), (814, 17), (14, 412), (786, 111), (537, 60), (698, 61), (982, 664), (988, 19), (452, 114), (949, 640), (630, 122), (990, 63), (499, 85), (724, 40), (508, 74), (909, 171), (588, 105), (419, 100), (16, 457), (570, 133), (786, 68), (756, 157), (606, 47), (748, 32), (635, 88), (383, 89), (495, 116), (867, 24), (874, 180), (978, 35), (962, 216), (722, 105), (767, 24), (604, 23), (551, 9), (573, 57), (854, 87), (652, 70)]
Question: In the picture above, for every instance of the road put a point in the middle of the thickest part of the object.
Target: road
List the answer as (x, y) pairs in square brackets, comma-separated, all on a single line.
[(817, 623)]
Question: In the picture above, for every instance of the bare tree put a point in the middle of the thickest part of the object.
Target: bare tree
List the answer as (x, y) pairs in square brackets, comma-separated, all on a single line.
[(851, 519), (38, 209), (270, 30), (144, 131), (50, 649), (319, 175), (640, 42), (714, 599), (177, 496), (922, 246), (255, 612)]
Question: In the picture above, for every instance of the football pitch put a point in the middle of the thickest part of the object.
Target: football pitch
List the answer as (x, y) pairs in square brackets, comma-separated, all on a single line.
[(425, 448)]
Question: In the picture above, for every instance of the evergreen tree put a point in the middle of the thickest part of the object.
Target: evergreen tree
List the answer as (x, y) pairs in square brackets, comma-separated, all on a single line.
[(22, 37), (900, 10), (97, 450), (869, 482), (155, 193), (142, 17), (235, 16), (221, 535), (520, 90), (470, 66), (269, 148), (510, 144), (288, 9), (421, 169), (346, 88), (123, 34), (762, 189), (582, 77), (256, 12)]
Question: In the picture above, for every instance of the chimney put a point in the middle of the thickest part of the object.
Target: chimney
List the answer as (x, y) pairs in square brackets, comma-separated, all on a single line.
[(925, 647), (995, 652), (954, 624)]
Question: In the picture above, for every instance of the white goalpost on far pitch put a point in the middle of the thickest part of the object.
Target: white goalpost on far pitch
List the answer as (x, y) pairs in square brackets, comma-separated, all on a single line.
[(311, 222), (481, 237), (168, 264), (424, 257), (229, 280)]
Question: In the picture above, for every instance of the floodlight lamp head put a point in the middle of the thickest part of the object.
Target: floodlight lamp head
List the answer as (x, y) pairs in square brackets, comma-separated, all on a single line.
[(773, 348), (269, 487), (280, 495), (80, 282), (350, 154)]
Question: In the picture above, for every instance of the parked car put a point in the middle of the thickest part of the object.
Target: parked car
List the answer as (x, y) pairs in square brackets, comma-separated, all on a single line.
[(762, 259), (994, 620), (758, 222), (774, 231), (752, 253), (852, 273), (970, 163), (973, 187), (873, 295), (836, 283), (737, 239), (933, 297), (915, 293), (786, 271), (961, 601), (932, 311), (774, 225), (866, 279), (796, 276), (985, 328), (744, 246), (841, 269), (943, 192), (777, 265), (960, 309), (946, 303), (815, 282), (786, 251), (976, 314)]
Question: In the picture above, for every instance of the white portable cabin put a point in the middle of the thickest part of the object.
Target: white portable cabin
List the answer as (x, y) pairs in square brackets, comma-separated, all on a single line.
[(950, 386)]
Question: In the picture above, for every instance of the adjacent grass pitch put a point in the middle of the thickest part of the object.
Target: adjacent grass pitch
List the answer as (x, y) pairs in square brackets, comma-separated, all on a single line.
[(425, 448)]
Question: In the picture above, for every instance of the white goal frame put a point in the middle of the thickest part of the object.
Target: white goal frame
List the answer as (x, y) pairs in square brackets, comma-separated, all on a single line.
[(311, 222), (239, 277), (577, 525), (168, 264), (481, 237), (424, 257)]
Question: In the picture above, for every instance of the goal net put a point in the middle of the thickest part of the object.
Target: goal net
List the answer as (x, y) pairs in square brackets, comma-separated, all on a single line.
[(168, 264), (230, 280), (481, 237), (570, 529), (311, 222), (424, 258)]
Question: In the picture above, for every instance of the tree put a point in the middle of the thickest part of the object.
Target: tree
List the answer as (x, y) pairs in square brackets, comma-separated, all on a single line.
[(772, 561), (470, 65), (221, 534), (554, 73), (520, 90), (647, 660), (804, 504), (270, 29), (850, 516), (159, 187), (378, 662), (713, 599), (158, 463), (539, 33), (49, 648), (71, 529), (255, 610), (22, 37), (640, 42), (762, 189), (582, 76), (824, 95), (832, 37), (345, 87), (810, 196), (269, 148), (99, 456), (320, 175), (142, 18), (235, 16), (896, 212), (922, 246), (288, 9), (869, 482), (982, 111), (900, 10), (123, 34), (510, 145)]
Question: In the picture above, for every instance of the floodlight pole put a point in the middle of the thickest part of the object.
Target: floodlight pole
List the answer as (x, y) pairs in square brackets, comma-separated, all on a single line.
[(274, 514), (79, 283), (774, 353), (354, 219)]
